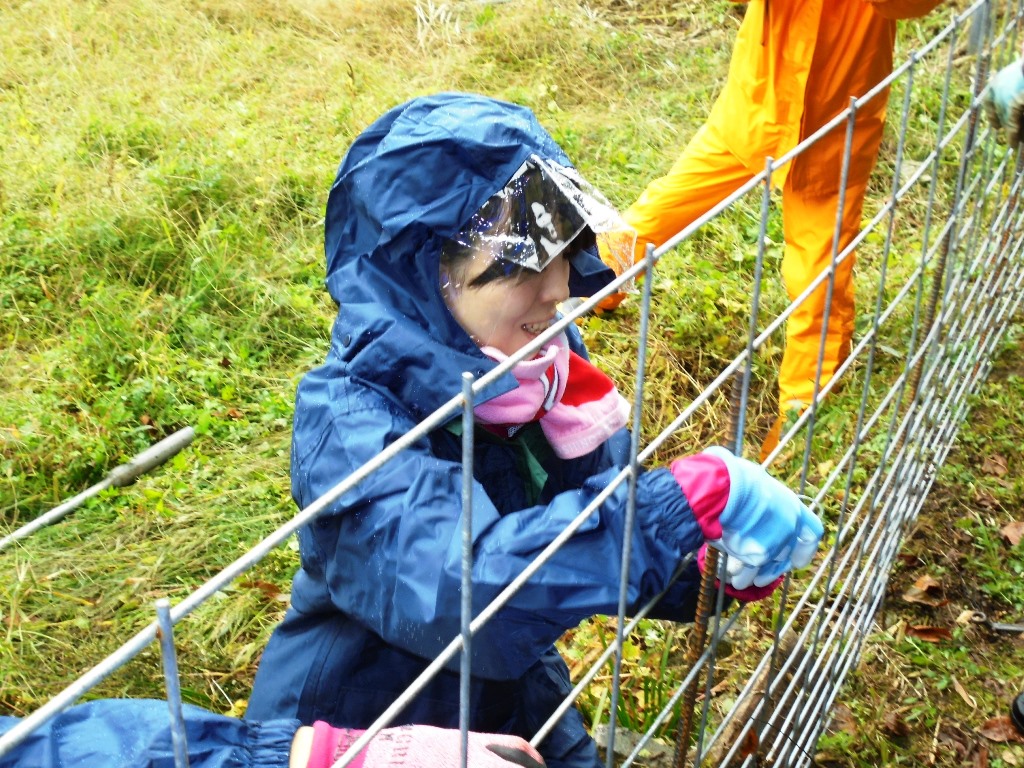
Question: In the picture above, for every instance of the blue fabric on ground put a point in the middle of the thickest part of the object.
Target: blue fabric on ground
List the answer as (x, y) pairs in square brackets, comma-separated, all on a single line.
[(135, 733)]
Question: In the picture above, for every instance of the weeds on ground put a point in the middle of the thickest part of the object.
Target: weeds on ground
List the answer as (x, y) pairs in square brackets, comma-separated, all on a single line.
[(934, 688)]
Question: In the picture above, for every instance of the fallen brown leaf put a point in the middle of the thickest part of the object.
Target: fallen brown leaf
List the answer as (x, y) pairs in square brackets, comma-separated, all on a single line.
[(1001, 729), (843, 720), (984, 498), (1013, 532), (724, 685), (954, 744), (894, 724), (966, 618), (750, 744), (926, 590), (994, 465), (929, 634), (270, 590), (968, 699)]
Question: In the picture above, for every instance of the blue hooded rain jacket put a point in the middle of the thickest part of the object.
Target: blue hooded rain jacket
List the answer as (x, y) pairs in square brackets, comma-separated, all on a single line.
[(378, 594)]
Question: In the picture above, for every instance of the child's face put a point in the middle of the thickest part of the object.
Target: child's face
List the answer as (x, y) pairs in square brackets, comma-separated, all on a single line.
[(508, 312)]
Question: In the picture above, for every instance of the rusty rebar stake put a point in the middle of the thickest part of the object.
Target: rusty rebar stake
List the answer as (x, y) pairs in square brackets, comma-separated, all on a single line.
[(705, 601)]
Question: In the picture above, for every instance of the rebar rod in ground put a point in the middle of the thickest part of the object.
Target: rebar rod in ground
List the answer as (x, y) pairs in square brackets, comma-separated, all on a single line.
[(708, 591), (693, 652)]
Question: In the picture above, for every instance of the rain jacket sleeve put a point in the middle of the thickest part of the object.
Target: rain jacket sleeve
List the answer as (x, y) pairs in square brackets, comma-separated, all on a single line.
[(124, 733), (389, 553)]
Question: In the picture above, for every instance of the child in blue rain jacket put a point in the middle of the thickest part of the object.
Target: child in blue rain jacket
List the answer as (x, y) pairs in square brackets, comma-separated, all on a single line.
[(455, 227)]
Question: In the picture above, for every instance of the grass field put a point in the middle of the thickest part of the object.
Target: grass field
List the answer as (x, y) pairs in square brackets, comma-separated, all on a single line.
[(163, 174)]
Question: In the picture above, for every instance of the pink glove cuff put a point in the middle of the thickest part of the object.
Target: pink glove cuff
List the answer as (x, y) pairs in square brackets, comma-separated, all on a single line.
[(704, 480), (330, 743), (748, 595)]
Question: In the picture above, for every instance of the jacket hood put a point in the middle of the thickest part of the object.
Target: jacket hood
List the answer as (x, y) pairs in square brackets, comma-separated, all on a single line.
[(408, 183)]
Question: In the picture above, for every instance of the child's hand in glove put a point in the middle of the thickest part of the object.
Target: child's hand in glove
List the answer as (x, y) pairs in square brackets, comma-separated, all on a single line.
[(421, 746), (750, 516), (747, 594)]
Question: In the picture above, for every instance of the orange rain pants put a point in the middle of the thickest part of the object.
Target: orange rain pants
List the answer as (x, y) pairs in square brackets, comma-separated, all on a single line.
[(795, 66)]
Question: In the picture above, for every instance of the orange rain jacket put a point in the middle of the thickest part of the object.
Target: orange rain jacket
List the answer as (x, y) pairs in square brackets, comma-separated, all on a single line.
[(794, 67)]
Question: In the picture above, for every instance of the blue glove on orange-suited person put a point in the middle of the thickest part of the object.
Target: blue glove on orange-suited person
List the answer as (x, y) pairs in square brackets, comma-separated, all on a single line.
[(750, 516), (1004, 102)]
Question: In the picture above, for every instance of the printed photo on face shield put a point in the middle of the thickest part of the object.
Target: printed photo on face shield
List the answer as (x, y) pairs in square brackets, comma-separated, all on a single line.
[(543, 208), (506, 270)]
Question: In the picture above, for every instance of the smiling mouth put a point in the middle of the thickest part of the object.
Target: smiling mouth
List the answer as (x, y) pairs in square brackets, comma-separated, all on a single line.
[(535, 329)]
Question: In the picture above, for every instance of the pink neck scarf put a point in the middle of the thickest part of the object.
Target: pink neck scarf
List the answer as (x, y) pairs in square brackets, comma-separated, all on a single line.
[(576, 404)]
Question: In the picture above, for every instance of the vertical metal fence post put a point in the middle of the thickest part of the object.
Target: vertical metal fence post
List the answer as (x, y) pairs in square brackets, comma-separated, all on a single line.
[(466, 669), (629, 523), (171, 683), (738, 403), (737, 424)]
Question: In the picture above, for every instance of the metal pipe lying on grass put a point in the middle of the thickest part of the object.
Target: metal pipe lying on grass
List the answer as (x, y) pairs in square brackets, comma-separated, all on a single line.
[(120, 476)]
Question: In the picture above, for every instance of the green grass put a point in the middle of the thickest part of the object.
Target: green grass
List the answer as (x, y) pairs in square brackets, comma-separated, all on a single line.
[(162, 183), (163, 173)]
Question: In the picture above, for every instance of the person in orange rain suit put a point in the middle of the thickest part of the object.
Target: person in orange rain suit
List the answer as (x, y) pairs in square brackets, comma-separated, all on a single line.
[(794, 67)]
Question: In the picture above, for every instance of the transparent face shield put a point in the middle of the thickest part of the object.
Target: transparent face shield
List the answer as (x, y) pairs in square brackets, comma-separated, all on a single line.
[(543, 209)]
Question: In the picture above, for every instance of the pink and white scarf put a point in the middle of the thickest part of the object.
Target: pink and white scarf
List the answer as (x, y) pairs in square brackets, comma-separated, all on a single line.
[(576, 404)]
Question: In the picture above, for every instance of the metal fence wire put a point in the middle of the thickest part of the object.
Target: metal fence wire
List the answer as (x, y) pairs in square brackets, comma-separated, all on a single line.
[(938, 281)]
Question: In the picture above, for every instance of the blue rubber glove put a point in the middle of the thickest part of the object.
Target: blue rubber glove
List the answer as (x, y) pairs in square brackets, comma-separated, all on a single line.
[(1004, 101), (766, 529)]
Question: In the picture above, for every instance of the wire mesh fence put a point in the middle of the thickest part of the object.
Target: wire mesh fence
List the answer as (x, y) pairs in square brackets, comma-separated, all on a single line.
[(938, 280)]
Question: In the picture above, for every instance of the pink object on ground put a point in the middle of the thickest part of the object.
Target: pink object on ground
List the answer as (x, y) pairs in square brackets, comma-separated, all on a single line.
[(421, 746)]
